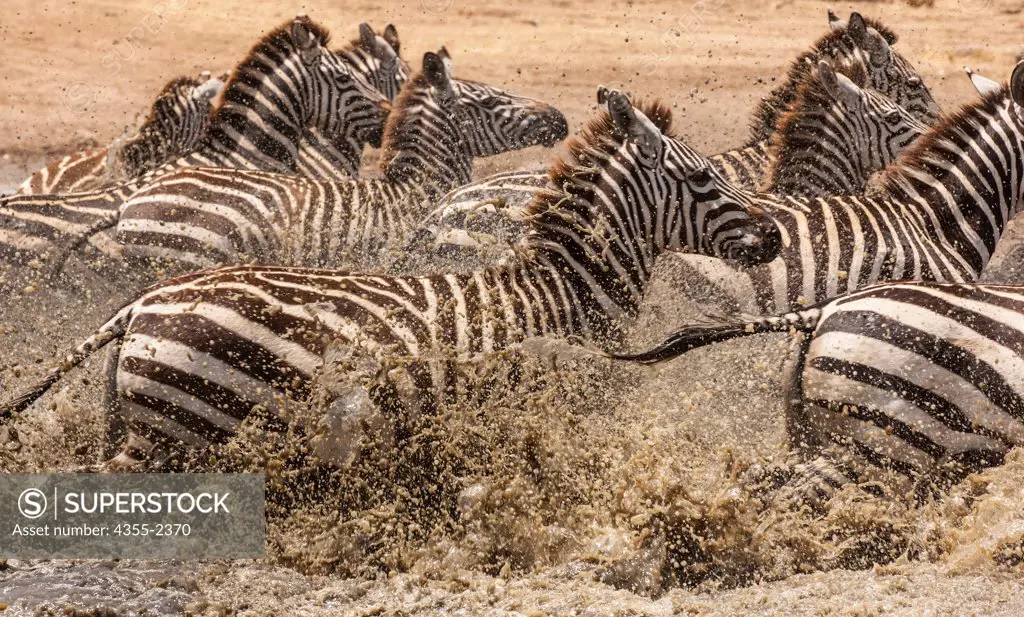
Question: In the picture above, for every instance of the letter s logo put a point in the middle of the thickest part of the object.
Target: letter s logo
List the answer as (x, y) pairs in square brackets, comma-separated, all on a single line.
[(32, 503)]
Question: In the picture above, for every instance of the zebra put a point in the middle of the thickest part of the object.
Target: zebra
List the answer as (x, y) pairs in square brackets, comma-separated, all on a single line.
[(203, 217), (375, 57), (936, 216), (289, 82), (859, 38), (832, 138), (918, 383), (174, 126), (196, 355), (836, 134)]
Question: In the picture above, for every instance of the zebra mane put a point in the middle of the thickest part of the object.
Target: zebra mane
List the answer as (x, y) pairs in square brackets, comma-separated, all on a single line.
[(810, 98), (400, 115), (948, 135), (767, 115), (175, 84), (172, 90), (573, 175), (278, 38)]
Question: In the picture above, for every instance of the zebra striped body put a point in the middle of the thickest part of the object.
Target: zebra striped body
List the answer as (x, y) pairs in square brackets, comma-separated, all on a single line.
[(201, 351), (202, 217), (922, 379), (175, 125), (939, 213), (288, 84)]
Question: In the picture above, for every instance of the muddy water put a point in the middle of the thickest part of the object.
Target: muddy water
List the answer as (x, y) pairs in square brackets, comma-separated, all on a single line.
[(586, 488)]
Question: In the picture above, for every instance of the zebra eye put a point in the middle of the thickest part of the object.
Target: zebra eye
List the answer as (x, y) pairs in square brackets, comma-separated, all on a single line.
[(892, 117), (701, 175)]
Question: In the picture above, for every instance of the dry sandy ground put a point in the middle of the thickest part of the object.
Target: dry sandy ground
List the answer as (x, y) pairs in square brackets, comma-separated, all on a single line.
[(667, 448)]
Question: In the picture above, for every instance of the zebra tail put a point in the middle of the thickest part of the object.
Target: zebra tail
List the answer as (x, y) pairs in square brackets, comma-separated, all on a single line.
[(65, 253), (113, 329), (701, 335)]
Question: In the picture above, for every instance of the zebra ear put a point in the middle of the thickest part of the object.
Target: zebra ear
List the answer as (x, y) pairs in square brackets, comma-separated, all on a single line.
[(838, 86), (1017, 84), (304, 40), (436, 72), (391, 36), (633, 124), (983, 85), (834, 23), (856, 28), (367, 37), (868, 39)]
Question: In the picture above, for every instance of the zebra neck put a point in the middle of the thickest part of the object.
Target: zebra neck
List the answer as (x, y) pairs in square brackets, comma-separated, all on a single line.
[(436, 170), (605, 285), (264, 137), (155, 145), (327, 159), (236, 140), (814, 154)]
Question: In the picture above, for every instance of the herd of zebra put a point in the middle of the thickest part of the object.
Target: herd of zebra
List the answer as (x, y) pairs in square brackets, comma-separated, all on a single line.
[(858, 218)]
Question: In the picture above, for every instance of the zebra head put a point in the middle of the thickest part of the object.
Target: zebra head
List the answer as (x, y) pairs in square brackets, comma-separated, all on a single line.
[(493, 121), (375, 57), (175, 125), (338, 100), (627, 191), (879, 128), (439, 124), (696, 215), (890, 73)]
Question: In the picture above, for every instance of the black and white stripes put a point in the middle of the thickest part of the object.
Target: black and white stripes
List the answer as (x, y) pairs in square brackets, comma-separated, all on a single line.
[(201, 217), (939, 212), (289, 83), (175, 125)]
